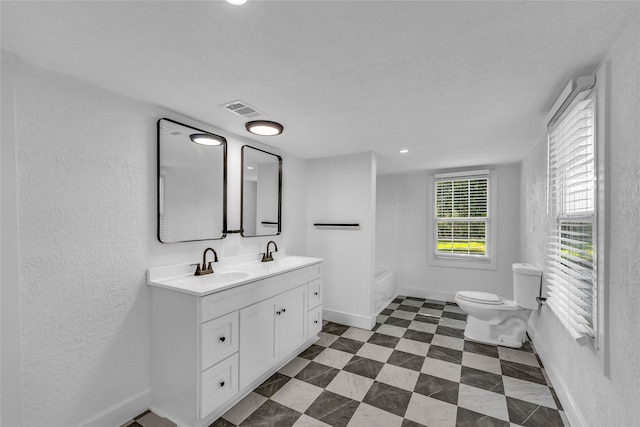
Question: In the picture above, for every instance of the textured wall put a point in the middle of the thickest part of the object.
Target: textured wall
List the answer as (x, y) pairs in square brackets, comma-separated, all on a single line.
[(87, 232), (597, 399), (415, 276)]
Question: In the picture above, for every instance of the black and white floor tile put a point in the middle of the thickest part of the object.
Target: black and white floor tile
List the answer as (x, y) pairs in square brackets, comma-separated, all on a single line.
[(414, 369)]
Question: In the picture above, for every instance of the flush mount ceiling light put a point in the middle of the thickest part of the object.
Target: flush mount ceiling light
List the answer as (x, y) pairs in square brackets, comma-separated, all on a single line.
[(206, 139), (264, 128), (404, 151), (236, 2)]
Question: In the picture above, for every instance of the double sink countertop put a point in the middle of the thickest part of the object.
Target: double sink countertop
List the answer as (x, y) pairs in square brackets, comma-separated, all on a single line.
[(228, 273)]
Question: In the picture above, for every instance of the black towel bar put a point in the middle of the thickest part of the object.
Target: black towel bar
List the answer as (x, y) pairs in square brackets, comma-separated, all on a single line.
[(324, 224)]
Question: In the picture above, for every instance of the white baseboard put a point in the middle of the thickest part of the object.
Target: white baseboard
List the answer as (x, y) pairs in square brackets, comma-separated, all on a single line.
[(121, 412), (349, 319), (574, 417), (426, 293)]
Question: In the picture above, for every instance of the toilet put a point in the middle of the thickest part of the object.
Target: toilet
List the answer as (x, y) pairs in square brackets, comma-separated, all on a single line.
[(494, 320)]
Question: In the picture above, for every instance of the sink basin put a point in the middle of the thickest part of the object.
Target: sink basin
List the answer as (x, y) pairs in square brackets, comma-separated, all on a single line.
[(277, 264), (217, 278), (227, 276), (290, 261)]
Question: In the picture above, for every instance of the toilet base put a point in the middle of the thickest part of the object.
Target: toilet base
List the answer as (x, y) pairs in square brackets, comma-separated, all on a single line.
[(510, 332)]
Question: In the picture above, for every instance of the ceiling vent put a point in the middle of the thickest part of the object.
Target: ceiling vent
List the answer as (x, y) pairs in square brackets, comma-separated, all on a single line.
[(243, 109)]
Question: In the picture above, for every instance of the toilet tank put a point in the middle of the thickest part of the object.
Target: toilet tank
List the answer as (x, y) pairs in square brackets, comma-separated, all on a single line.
[(526, 285)]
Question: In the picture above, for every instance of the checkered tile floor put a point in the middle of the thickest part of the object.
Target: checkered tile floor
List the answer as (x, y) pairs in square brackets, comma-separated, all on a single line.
[(414, 369)]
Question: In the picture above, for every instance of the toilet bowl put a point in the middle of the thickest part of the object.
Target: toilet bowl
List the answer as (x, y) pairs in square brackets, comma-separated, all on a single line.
[(494, 320)]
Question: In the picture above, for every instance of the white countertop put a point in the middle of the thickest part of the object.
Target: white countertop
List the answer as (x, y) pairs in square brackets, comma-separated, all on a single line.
[(228, 273)]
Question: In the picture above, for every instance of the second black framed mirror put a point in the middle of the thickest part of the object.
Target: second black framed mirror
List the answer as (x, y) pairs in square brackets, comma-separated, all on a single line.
[(261, 193)]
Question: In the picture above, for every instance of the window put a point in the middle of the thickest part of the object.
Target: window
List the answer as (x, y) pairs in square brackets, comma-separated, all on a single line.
[(461, 222), (572, 267)]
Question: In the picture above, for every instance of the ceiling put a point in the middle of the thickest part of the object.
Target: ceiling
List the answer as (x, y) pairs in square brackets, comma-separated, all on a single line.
[(456, 83)]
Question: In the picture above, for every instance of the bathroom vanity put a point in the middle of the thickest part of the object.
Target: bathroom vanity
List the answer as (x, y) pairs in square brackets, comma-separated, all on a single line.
[(215, 338)]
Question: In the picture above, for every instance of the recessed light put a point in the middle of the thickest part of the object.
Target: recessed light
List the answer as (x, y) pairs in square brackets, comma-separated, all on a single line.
[(250, 167), (206, 139), (264, 128), (236, 2), (404, 151)]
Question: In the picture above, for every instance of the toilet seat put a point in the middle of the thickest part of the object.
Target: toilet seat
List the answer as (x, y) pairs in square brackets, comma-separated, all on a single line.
[(480, 297)]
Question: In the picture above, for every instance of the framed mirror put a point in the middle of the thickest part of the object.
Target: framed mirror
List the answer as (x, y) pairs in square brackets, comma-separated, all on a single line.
[(192, 183), (261, 206)]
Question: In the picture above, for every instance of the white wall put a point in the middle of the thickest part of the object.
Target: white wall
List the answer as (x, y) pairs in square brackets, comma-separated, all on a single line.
[(590, 397), (85, 210), (415, 277), (386, 227), (342, 189)]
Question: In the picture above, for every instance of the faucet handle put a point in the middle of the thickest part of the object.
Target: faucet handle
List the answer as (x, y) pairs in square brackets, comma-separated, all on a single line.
[(198, 270), (210, 266)]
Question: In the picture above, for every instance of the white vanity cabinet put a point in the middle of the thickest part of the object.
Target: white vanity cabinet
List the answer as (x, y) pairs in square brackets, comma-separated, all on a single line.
[(209, 351), (271, 330)]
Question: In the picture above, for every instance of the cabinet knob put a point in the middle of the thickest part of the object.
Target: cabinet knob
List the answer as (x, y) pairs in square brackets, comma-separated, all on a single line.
[(223, 339), (315, 293), (278, 312), (315, 321), (284, 309), (221, 383)]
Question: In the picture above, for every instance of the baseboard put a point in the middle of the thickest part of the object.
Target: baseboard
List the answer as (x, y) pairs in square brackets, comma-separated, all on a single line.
[(574, 417), (426, 294), (349, 319), (121, 412)]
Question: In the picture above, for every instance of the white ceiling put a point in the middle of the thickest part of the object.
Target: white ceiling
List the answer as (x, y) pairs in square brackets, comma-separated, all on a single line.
[(456, 83)]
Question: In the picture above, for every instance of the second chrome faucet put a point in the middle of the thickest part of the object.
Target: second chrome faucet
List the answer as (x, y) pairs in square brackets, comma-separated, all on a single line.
[(206, 268)]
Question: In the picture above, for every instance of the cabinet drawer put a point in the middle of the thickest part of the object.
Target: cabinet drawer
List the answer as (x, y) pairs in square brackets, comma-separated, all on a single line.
[(218, 339), (314, 325), (315, 293), (217, 384)]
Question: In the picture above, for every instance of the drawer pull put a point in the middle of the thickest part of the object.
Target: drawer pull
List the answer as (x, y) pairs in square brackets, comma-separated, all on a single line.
[(222, 384), (284, 309), (223, 339), (278, 312)]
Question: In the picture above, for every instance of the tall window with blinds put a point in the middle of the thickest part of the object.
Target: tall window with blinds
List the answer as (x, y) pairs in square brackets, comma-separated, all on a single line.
[(461, 218), (571, 262)]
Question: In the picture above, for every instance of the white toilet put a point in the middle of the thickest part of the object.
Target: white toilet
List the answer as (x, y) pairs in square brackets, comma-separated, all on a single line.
[(497, 321)]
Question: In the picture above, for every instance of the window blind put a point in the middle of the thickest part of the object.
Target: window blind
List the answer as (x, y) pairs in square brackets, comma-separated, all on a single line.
[(461, 216), (571, 262)]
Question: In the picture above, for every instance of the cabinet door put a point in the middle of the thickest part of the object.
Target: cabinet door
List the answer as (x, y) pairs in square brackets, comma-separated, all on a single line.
[(292, 320), (258, 351)]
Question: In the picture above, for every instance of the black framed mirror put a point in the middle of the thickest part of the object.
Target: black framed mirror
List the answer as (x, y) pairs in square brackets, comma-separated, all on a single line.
[(192, 183), (261, 190)]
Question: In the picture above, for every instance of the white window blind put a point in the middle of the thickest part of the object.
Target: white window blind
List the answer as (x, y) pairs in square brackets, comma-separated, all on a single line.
[(461, 216), (571, 261)]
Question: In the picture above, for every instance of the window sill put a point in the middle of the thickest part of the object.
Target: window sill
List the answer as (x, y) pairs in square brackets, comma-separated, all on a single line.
[(480, 263)]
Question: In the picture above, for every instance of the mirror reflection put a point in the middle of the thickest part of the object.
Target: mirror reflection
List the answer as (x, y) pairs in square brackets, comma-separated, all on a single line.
[(191, 183), (261, 193)]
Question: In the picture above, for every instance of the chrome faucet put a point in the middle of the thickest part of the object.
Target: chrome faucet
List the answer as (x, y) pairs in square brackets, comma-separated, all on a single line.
[(268, 256), (206, 268)]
